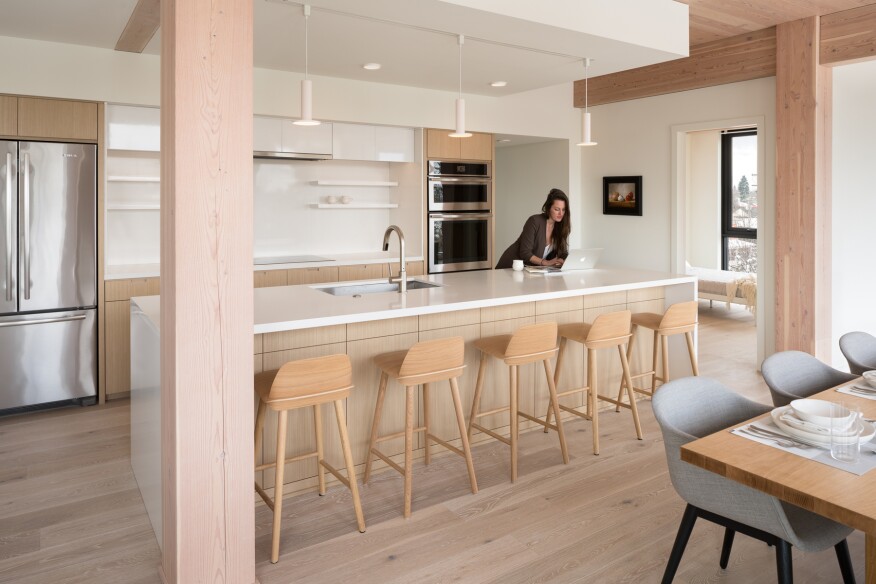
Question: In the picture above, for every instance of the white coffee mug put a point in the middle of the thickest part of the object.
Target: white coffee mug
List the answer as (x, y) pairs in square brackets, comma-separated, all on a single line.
[(517, 265)]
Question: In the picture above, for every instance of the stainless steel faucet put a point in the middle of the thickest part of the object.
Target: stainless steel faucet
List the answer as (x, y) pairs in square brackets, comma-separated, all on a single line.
[(402, 279)]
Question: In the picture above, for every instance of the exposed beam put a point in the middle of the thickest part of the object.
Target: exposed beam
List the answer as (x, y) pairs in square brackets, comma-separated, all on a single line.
[(141, 27), (848, 36), (740, 58)]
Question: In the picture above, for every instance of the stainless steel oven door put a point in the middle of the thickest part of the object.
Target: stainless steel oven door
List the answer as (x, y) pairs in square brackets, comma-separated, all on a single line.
[(460, 194), (459, 242)]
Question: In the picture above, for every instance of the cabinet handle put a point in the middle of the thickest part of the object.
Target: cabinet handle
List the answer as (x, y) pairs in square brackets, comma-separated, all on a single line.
[(26, 205), (43, 320), (9, 241)]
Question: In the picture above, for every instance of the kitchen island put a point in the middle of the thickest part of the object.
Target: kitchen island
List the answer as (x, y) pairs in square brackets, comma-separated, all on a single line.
[(298, 322)]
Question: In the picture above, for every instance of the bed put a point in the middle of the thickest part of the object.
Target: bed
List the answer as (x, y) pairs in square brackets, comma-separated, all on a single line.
[(729, 287)]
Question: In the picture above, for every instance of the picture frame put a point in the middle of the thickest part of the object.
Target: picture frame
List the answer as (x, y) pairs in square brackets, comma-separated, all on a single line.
[(622, 195)]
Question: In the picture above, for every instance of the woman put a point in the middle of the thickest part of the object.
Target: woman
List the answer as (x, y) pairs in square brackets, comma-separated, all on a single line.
[(544, 240)]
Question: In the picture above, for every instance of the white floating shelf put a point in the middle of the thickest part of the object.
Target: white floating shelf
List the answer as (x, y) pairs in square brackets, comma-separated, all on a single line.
[(354, 205), (356, 183), (133, 207), (133, 179)]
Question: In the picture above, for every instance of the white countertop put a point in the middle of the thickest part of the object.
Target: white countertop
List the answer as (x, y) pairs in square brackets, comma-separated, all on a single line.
[(284, 308), (128, 271)]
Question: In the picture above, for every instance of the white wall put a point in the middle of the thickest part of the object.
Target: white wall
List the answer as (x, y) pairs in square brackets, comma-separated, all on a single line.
[(703, 199), (854, 202), (524, 176)]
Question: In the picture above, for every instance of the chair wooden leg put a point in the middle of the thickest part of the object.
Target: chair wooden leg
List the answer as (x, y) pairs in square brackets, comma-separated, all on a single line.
[(348, 461), (784, 566), (693, 355), (428, 453), (592, 404), (725, 548), (625, 365), (654, 362), (375, 424), (664, 349), (278, 487), (409, 447), (320, 452), (476, 402), (463, 434), (560, 353), (681, 539), (259, 429), (555, 404), (513, 415), (845, 562), (620, 391)]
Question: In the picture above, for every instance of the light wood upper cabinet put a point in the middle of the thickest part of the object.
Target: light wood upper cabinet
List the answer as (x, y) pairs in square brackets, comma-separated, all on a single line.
[(8, 115), (57, 119), (440, 145)]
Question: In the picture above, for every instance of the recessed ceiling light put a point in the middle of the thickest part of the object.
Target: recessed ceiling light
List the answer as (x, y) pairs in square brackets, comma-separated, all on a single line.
[(498, 84), (371, 66)]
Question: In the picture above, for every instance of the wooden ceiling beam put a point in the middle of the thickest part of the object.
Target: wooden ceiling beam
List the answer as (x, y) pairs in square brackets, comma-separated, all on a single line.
[(848, 36), (141, 27)]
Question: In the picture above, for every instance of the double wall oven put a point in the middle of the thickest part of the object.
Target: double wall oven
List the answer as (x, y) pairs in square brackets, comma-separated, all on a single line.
[(460, 205)]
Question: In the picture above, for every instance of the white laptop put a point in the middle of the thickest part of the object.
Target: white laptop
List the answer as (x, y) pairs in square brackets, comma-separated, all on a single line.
[(578, 259)]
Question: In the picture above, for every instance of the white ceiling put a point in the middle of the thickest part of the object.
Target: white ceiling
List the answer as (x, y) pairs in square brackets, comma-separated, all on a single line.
[(414, 40)]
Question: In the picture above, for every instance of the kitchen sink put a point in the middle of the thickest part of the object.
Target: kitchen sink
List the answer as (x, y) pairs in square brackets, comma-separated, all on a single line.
[(372, 288)]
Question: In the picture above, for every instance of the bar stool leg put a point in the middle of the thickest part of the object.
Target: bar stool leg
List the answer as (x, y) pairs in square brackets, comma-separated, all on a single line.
[(479, 386), (409, 447), (620, 391), (428, 453), (664, 346), (592, 405), (690, 350), (278, 487), (375, 424), (259, 429), (463, 434), (555, 404), (654, 363), (547, 418), (513, 412), (625, 365), (320, 453), (348, 460)]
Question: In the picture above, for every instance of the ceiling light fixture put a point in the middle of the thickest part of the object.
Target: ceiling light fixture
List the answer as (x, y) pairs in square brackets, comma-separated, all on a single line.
[(585, 118), (498, 84), (306, 86), (371, 66), (460, 103)]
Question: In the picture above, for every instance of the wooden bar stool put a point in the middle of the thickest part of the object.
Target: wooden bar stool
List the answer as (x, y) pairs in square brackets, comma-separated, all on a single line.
[(301, 384), (678, 318), (608, 330), (424, 363), (529, 344)]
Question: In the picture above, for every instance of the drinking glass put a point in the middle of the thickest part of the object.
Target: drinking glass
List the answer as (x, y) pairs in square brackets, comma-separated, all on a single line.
[(845, 444)]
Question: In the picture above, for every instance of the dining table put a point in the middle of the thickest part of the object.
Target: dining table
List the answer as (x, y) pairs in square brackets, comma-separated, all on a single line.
[(834, 493)]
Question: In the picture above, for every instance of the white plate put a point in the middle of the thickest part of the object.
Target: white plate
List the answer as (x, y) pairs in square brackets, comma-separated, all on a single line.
[(867, 430)]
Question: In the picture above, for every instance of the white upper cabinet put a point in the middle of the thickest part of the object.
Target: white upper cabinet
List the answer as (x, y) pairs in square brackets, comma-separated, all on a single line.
[(266, 134), (394, 144), (380, 143), (306, 139), (133, 128)]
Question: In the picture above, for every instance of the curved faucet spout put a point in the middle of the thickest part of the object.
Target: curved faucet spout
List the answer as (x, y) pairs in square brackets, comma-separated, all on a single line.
[(402, 279)]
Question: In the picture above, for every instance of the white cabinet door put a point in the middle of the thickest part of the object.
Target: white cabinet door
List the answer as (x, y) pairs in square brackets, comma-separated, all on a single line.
[(306, 139), (133, 128), (394, 144), (266, 134), (353, 142)]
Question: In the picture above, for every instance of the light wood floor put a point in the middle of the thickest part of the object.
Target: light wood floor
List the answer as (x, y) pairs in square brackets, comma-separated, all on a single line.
[(70, 510)]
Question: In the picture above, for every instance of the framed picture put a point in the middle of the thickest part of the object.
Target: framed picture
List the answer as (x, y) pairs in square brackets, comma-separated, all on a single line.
[(622, 195)]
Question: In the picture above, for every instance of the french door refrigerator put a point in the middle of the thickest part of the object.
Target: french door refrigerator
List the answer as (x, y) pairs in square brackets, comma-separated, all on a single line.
[(48, 273)]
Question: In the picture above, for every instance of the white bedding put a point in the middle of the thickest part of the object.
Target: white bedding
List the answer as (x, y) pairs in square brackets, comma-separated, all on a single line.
[(736, 287)]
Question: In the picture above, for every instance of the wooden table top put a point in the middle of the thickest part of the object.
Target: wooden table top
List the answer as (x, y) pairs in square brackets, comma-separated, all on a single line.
[(834, 493)]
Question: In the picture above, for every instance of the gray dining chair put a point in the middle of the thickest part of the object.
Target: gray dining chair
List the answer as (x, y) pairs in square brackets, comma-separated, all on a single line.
[(793, 375), (693, 407), (859, 349)]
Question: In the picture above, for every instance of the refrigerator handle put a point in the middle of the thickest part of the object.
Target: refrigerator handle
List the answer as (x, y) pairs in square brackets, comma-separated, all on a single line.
[(9, 243), (26, 206), (42, 320)]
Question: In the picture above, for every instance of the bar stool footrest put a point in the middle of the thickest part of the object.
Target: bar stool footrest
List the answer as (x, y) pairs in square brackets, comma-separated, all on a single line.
[(493, 411), (288, 460), (572, 410), (491, 433), (398, 434), (446, 445), (335, 472), (388, 461), (265, 498), (537, 421)]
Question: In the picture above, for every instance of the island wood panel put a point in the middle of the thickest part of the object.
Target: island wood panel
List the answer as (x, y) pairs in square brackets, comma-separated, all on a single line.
[(360, 272), (559, 305), (297, 339), (508, 311), (117, 348), (608, 299), (268, 278), (8, 115), (739, 58), (258, 344), (443, 320), (848, 36), (126, 289), (645, 294), (57, 119), (382, 328), (297, 276)]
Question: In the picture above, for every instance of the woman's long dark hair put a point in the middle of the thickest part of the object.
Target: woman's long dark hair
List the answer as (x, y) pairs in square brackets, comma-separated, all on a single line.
[(560, 235)]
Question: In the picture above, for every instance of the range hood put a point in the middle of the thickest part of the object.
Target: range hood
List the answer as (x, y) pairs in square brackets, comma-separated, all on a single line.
[(291, 155)]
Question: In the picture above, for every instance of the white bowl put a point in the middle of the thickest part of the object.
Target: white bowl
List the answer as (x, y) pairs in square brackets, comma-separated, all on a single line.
[(346, 200), (331, 199), (818, 412), (870, 378)]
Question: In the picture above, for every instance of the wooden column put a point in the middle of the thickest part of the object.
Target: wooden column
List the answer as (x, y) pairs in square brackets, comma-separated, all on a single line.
[(206, 291), (803, 234)]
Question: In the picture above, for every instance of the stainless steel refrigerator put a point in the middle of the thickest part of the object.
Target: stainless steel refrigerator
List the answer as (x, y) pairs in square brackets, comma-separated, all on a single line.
[(48, 273)]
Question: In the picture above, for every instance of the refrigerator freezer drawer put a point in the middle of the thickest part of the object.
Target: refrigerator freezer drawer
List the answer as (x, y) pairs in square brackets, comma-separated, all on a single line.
[(47, 357)]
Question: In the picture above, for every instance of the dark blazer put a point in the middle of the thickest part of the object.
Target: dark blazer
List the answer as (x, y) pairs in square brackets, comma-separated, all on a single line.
[(530, 243)]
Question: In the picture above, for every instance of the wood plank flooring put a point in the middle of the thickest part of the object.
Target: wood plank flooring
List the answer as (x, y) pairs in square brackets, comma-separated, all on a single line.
[(70, 510)]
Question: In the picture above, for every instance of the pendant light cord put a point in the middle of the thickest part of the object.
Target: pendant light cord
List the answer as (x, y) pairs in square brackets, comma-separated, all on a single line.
[(306, 43), (461, 40), (586, 91)]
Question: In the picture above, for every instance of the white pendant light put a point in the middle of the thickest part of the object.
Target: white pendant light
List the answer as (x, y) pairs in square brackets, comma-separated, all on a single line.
[(585, 117), (306, 85), (460, 103)]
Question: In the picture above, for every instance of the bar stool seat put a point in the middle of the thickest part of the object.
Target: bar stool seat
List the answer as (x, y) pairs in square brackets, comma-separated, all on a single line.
[(529, 344), (299, 384), (424, 363), (607, 331)]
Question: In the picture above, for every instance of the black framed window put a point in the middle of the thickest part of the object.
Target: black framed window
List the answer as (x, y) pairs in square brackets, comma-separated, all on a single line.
[(739, 201)]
